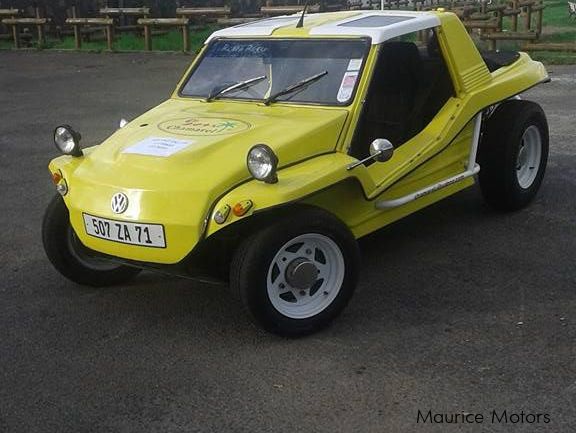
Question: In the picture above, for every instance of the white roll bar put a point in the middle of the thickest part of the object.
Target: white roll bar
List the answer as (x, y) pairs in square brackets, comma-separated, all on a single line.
[(471, 170)]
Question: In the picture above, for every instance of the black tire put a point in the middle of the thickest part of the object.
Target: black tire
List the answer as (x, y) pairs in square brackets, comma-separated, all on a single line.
[(71, 258), (498, 154), (253, 258)]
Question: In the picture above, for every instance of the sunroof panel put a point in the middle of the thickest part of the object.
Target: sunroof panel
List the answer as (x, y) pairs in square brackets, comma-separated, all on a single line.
[(375, 21)]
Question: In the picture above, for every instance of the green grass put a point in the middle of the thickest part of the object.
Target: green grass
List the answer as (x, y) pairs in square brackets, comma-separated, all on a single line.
[(554, 58), (556, 14), (169, 41), (560, 36), (558, 27)]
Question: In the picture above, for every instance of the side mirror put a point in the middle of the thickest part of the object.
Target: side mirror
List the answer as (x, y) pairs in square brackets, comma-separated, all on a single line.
[(381, 150)]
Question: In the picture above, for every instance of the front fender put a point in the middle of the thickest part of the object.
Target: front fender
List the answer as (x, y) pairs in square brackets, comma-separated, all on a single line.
[(295, 183)]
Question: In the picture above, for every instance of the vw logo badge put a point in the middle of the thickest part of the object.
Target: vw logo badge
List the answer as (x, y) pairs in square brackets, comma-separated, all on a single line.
[(119, 202)]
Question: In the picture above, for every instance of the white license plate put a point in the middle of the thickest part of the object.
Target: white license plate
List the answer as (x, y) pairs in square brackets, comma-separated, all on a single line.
[(146, 235)]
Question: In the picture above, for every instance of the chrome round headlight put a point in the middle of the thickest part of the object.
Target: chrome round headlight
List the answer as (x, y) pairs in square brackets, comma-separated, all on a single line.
[(262, 163), (67, 140)]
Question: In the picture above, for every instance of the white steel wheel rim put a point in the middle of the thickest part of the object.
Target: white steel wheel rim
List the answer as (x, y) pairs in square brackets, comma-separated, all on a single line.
[(311, 249), (529, 157)]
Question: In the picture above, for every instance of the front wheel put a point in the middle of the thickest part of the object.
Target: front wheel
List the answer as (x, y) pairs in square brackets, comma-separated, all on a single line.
[(71, 258), (296, 275)]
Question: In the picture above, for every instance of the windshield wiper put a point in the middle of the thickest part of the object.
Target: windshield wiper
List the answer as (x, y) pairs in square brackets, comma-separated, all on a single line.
[(294, 87), (238, 86)]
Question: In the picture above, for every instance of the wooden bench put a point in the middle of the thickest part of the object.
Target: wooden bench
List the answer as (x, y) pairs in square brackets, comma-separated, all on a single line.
[(87, 26), (511, 36), (529, 7), (508, 36), (491, 24), (14, 22), (147, 23), (539, 9), (464, 12), (201, 15), (480, 16), (511, 12), (120, 14), (79, 23), (227, 22), (274, 11), (498, 11), (10, 13)]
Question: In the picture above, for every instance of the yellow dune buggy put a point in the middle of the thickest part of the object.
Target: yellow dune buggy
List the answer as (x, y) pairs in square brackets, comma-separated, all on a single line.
[(285, 141)]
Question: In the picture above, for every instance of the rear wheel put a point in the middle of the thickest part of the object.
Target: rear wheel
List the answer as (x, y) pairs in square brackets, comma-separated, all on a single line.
[(296, 275), (71, 258), (513, 155)]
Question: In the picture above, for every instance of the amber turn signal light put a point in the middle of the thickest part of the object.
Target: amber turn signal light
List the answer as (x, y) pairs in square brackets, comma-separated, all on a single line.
[(56, 177), (242, 207)]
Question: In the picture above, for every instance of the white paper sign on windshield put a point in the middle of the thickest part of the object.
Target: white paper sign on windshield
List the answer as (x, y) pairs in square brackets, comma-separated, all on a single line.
[(347, 86), (354, 64), (158, 146)]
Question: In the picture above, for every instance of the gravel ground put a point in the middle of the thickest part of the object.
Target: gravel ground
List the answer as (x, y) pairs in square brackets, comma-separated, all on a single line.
[(459, 308)]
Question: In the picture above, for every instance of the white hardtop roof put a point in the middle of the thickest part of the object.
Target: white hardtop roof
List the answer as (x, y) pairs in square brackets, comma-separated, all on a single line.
[(378, 25)]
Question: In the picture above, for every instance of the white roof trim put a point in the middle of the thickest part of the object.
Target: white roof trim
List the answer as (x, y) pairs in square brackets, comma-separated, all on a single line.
[(420, 21), (248, 29)]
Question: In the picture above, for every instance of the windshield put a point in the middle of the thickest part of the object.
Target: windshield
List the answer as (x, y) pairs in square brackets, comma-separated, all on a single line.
[(283, 63)]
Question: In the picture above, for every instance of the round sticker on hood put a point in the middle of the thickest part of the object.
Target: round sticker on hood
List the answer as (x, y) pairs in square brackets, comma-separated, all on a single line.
[(203, 126)]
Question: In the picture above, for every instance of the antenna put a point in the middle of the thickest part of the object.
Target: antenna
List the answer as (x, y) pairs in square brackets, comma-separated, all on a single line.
[(301, 20)]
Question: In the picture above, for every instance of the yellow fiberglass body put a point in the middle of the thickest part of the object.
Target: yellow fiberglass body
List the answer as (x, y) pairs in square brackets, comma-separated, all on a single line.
[(182, 191), (179, 173)]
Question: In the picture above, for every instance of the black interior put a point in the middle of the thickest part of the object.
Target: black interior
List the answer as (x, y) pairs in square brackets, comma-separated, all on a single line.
[(408, 88), (498, 59)]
